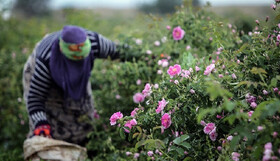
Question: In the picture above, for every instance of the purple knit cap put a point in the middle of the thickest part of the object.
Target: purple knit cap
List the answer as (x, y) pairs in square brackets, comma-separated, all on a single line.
[(73, 34)]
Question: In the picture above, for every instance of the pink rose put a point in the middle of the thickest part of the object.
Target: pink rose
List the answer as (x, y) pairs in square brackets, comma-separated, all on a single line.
[(250, 113), (209, 69), (147, 90), (150, 153), (134, 112), (138, 82), (174, 70), (209, 127), (268, 146), (273, 6), (229, 138), (267, 151), (95, 114), (260, 128), (192, 91), (275, 134), (278, 37), (253, 104), (138, 97), (164, 63), (116, 116), (136, 155), (129, 124), (159, 72), (213, 135), (166, 120), (156, 86), (235, 156), (157, 43), (168, 27), (118, 97), (202, 123), (161, 105), (178, 33), (185, 73), (197, 68)]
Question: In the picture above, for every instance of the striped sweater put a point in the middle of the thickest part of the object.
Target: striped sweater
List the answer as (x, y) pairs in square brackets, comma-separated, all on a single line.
[(41, 80)]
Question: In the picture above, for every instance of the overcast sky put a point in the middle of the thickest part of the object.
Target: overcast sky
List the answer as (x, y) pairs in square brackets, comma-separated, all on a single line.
[(133, 3)]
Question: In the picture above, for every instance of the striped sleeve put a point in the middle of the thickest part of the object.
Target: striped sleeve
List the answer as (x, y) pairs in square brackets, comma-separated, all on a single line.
[(40, 82), (102, 47), (39, 87)]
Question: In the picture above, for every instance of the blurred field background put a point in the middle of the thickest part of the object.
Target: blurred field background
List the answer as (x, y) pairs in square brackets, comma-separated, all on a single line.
[(24, 22)]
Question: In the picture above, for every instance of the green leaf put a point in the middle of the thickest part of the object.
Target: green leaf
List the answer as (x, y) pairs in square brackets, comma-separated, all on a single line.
[(159, 144), (172, 148), (186, 145), (184, 137), (139, 143), (180, 151), (204, 112), (273, 83), (230, 119), (255, 70), (188, 60), (139, 129), (229, 106), (267, 109), (261, 108), (215, 90), (135, 135), (180, 139), (187, 159), (244, 83), (234, 142), (243, 47), (139, 136), (177, 141), (151, 144), (122, 134), (157, 127)]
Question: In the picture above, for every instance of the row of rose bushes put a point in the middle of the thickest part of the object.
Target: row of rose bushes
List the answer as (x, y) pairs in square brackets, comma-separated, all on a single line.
[(149, 54), (217, 96)]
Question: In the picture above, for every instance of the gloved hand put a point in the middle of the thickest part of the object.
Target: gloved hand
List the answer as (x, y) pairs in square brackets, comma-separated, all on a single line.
[(43, 130)]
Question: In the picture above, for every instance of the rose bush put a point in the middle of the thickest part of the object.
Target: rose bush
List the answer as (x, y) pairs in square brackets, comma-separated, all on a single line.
[(222, 94)]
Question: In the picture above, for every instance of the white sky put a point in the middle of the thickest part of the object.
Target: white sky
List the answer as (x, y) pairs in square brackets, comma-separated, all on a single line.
[(133, 3)]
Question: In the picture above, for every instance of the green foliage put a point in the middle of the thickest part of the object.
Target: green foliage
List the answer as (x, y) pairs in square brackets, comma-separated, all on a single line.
[(161, 6), (31, 8), (245, 66), (238, 96)]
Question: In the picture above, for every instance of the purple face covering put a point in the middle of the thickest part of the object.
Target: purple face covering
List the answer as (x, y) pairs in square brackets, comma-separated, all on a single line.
[(72, 76)]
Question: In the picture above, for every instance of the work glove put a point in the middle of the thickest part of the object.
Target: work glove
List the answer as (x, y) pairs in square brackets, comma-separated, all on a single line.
[(43, 130)]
